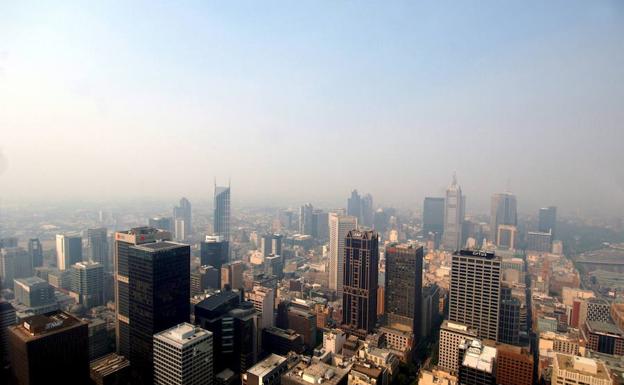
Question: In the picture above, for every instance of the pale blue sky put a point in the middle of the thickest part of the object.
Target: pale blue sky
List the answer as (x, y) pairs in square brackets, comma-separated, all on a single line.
[(302, 101)]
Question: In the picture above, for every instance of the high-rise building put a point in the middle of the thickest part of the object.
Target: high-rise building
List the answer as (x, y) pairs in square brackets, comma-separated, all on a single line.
[(430, 309), (574, 370), (214, 252), (454, 207), (183, 212), (433, 217), (97, 246), (271, 244), (51, 348), (366, 205), (477, 363), (159, 292), (36, 252), (321, 224), (354, 205), (206, 277), (35, 293), (548, 220), (183, 356), (232, 275), (162, 223), (509, 323), (537, 241), (222, 212), (15, 263), (263, 299), (123, 241), (88, 282), (303, 322), (68, 250), (474, 293), (403, 290), (503, 212), (8, 242), (339, 226), (7, 318), (280, 341), (306, 219), (506, 237), (361, 271), (452, 335), (179, 229), (274, 266)]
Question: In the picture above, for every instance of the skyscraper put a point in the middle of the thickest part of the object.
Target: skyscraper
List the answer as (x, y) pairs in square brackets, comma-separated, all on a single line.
[(339, 226), (183, 356), (433, 217), (68, 250), (354, 205), (367, 212), (162, 223), (123, 241), (88, 282), (222, 212), (7, 318), (548, 220), (183, 212), (159, 292), (36, 252), (306, 219), (361, 271), (503, 212), (474, 295), (271, 244), (15, 262), (453, 216), (214, 252), (51, 348), (97, 246), (403, 290)]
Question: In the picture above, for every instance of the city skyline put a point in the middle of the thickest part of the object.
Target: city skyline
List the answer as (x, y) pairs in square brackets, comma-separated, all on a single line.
[(422, 89)]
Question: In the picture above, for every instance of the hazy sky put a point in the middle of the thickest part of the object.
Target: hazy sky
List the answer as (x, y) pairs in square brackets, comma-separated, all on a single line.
[(302, 101)]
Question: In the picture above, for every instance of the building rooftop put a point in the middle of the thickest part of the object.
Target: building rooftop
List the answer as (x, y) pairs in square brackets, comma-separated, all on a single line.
[(316, 373), (218, 299), (40, 325), (182, 335), (159, 246), (108, 364), (582, 365), (265, 366), (479, 356), (29, 281), (604, 328)]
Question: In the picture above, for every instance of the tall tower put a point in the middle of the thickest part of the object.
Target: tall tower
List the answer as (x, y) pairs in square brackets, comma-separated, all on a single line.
[(474, 295), (548, 220), (7, 318), (453, 216), (222, 212), (183, 213), (354, 205), (339, 226), (503, 212), (68, 250), (36, 252), (214, 252), (361, 270), (97, 245), (88, 282), (433, 217), (306, 222), (403, 292)]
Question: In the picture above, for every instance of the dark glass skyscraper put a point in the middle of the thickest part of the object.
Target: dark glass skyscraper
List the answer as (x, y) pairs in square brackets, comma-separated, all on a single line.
[(503, 212), (97, 245), (403, 292), (159, 292), (222, 212), (360, 275), (214, 252), (548, 220), (354, 205), (433, 217), (36, 252)]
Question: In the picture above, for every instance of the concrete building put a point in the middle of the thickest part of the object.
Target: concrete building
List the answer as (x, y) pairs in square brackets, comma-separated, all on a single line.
[(263, 299), (477, 365), (281, 342), (232, 275), (452, 335), (266, 372), (88, 282), (514, 365), (111, 369), (333, 340), (68, 250), (311, 372), (339, 227), (183, 355), (34, 292), (573, 370)]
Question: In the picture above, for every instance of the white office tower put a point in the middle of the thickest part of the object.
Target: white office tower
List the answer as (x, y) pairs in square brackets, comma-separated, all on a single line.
[(68, 250), (452, 334), (263, 299), (454, 207), (180, 229), (183, 356), (339, 226)]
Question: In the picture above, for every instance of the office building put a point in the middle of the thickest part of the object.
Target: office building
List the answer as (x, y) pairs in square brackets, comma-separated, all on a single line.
[(183, 355), (507, 237), (514, 365), (339, 226), (433, 218), (266, 372), (306, 219), (162, 223), (68, 250), (477, 363), (452, 335), (8, 242), (232, 275), (403, 289), (222, 212), (123, 242), (574, 370), (321, 224), (274, 266), (303, 322), (97, 247), (100, 339), (509, 323), (503, 212), (214, 252), (36, 252), (474, 293), (263, 299), (271, 244), (60, 279), (88, 282), (548, 220), (7, 318), (603, 337), (182, 213), (454, 207), (354, 205), (430, 309), (206, 277), (281, 341), (15, 263), (368, 212), (179, 230), (111, 369), (361, 265), (540, 242), (49, 349), (34, 292)]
